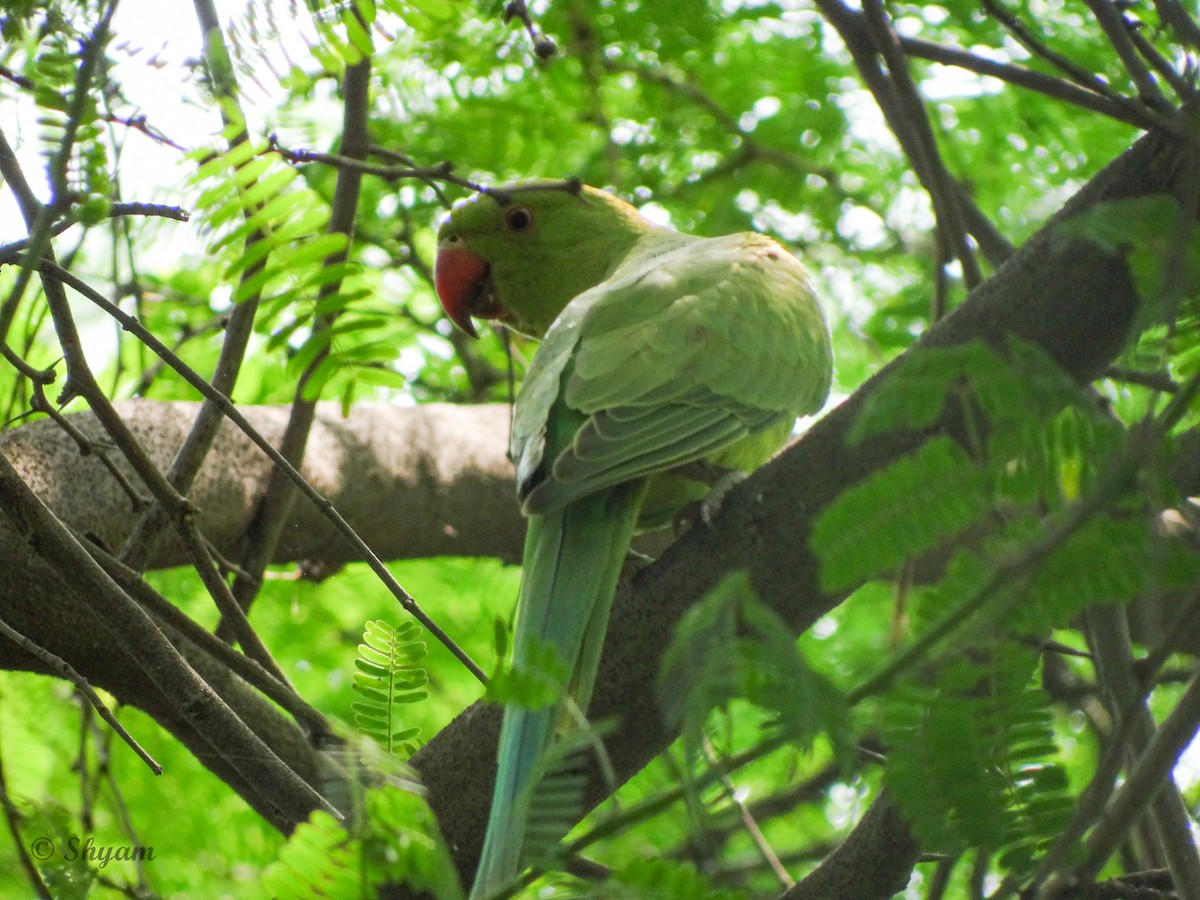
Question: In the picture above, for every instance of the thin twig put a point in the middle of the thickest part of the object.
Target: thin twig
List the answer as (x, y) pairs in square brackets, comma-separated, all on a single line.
[(267, 527), (1117, 30), (927, 161), (240, 325), (1183, 88), (442, 172), (241, 665), (1030, 42), (1172, 13), (1112, 105), (66, 671), (9, 252), (275, 790), (229, 608), (227, 407), (1143, 784), (103, 744), (756, 836), (1108, 635)]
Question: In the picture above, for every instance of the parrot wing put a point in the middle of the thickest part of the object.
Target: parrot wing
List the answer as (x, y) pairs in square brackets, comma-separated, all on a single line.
[(676, 356)]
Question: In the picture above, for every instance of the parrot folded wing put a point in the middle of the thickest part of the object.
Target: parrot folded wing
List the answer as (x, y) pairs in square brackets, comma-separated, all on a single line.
[(675, 357)]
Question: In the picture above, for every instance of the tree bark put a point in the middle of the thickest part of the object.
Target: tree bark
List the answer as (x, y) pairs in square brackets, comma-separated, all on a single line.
[(417, 482)]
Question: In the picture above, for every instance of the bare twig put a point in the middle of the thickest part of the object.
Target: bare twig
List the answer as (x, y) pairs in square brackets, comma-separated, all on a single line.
[(1144, 783), (241, 665), (9, 252), (749, 822), (1112, 105), (276, 790), (909, 114), (443, 172), (240, 324), (1108, 635), (1117, 30), (228, 606), (131, 324), (67, 672), (1030, 42), (1180, 20)]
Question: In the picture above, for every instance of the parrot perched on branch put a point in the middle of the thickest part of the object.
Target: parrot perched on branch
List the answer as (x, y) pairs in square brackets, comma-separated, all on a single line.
[(666, 360)]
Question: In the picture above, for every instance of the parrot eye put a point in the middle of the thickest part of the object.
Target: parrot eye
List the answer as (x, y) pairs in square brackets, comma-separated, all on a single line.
[(518, 219)]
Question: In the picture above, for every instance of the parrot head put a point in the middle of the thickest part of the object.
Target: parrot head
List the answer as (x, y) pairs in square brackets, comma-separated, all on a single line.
[(518, 254)]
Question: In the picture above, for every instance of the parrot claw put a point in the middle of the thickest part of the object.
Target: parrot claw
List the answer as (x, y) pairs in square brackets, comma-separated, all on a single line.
[(634, 563), (711, 505), (706, 509)]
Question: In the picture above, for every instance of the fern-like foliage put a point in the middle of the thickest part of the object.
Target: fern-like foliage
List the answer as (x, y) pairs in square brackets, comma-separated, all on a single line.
[(664, 879), (1038, 481), (270, 237), (972, 757), (537, 681), (395, 841), (730, 645), (914, 504), (389, 676), (556, 794)]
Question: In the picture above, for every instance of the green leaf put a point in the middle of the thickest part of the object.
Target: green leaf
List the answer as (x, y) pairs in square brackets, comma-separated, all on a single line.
[(898, 512), (731, 645)]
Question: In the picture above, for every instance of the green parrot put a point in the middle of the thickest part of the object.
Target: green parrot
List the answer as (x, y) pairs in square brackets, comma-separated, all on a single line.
[(667, 360)]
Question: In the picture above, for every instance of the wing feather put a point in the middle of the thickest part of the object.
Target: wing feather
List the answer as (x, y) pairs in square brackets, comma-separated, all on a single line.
[(675, 357)]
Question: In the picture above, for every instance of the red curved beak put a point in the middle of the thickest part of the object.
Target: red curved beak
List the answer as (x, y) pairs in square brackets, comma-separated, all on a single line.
[(463, 283)]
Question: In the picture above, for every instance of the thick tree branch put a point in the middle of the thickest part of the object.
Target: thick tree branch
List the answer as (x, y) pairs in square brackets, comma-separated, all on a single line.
[(421, 482), (425, 481)]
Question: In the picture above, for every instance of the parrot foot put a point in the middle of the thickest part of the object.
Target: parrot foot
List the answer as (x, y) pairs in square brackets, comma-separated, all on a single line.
[(706, 509), (711, 505), (634, 563)]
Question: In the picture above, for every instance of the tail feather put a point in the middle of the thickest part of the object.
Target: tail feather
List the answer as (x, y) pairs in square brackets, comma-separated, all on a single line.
[(573, 558)]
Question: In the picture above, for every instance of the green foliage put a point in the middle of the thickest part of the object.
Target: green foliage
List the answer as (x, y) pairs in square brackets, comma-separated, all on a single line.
[(1033, 437), (731, 645), (1047, 523), (389, 676), (556, 794), (973, 760), (537, 681), (898, 512), (665, 879), (396, 841)]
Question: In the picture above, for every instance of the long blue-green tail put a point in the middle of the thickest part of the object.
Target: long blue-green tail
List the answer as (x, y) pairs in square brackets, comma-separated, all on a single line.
[(573, 558)]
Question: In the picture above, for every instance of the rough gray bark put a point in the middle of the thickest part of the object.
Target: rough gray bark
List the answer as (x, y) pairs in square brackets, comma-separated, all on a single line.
[(415, 482), (418, 482)]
